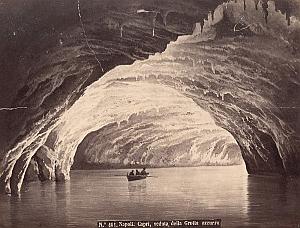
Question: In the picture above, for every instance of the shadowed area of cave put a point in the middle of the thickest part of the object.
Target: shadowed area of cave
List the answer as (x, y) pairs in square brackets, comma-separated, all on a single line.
[(249, 88)]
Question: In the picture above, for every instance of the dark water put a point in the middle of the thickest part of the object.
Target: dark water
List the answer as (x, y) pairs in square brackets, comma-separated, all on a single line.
[(174, 193)]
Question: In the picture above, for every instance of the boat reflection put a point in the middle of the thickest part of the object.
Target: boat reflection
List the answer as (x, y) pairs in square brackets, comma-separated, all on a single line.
[(137, 190)]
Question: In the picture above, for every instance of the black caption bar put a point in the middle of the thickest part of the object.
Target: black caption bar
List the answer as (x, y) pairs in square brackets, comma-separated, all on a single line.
[(172, 223)]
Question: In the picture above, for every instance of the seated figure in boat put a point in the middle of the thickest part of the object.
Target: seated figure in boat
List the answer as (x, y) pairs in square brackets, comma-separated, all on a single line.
[(137, 172), (131, 173), (143, 172)]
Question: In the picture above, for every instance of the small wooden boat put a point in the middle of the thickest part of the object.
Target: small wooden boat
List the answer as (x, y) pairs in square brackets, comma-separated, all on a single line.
[(136, 177)]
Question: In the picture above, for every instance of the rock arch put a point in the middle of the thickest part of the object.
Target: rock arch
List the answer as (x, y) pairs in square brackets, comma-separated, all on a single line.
[(250, 89)]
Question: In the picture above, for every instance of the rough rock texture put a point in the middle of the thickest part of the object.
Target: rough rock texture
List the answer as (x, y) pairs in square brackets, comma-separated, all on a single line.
[(250, 88), (53, 50), (176, 132), (32, 171)]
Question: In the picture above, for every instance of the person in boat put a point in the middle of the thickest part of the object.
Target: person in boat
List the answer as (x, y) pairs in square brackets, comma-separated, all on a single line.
[(131, 173), (143, 172), (137, 172)]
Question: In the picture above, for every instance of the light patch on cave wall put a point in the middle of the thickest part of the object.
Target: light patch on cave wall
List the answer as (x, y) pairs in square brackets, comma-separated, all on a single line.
[(177, 133), (181, 133)]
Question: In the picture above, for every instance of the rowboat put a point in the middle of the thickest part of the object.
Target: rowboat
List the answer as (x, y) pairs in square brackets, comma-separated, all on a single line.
[(136, 177)]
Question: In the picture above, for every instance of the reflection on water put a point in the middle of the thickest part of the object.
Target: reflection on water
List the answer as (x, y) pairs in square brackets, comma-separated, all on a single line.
[(174, 193), (273, 201), (41, 205), (137, 190)]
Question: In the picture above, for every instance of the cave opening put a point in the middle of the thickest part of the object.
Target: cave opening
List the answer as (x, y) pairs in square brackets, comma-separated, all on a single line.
[(167, 130), (210, 106), (134, 125), (196, 66)]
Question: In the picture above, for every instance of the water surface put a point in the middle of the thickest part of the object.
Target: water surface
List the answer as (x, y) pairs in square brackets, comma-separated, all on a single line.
[(172, 193)]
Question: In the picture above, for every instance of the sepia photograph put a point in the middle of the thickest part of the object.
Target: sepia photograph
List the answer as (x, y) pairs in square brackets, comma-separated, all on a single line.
[(149, 113)]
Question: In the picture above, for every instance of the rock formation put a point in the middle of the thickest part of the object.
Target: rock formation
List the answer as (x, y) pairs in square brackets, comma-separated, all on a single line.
[(166, 130), (245, 76)]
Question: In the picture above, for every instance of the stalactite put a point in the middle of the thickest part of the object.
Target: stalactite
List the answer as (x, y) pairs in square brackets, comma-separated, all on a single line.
[(202, 25), (288, 18), (256, 4), (165, 18), (153, 23), (265, 9), (121, 31)]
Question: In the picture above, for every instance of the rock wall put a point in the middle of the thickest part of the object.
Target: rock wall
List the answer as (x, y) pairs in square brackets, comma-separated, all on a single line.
[(175, 132), (54, 50)]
